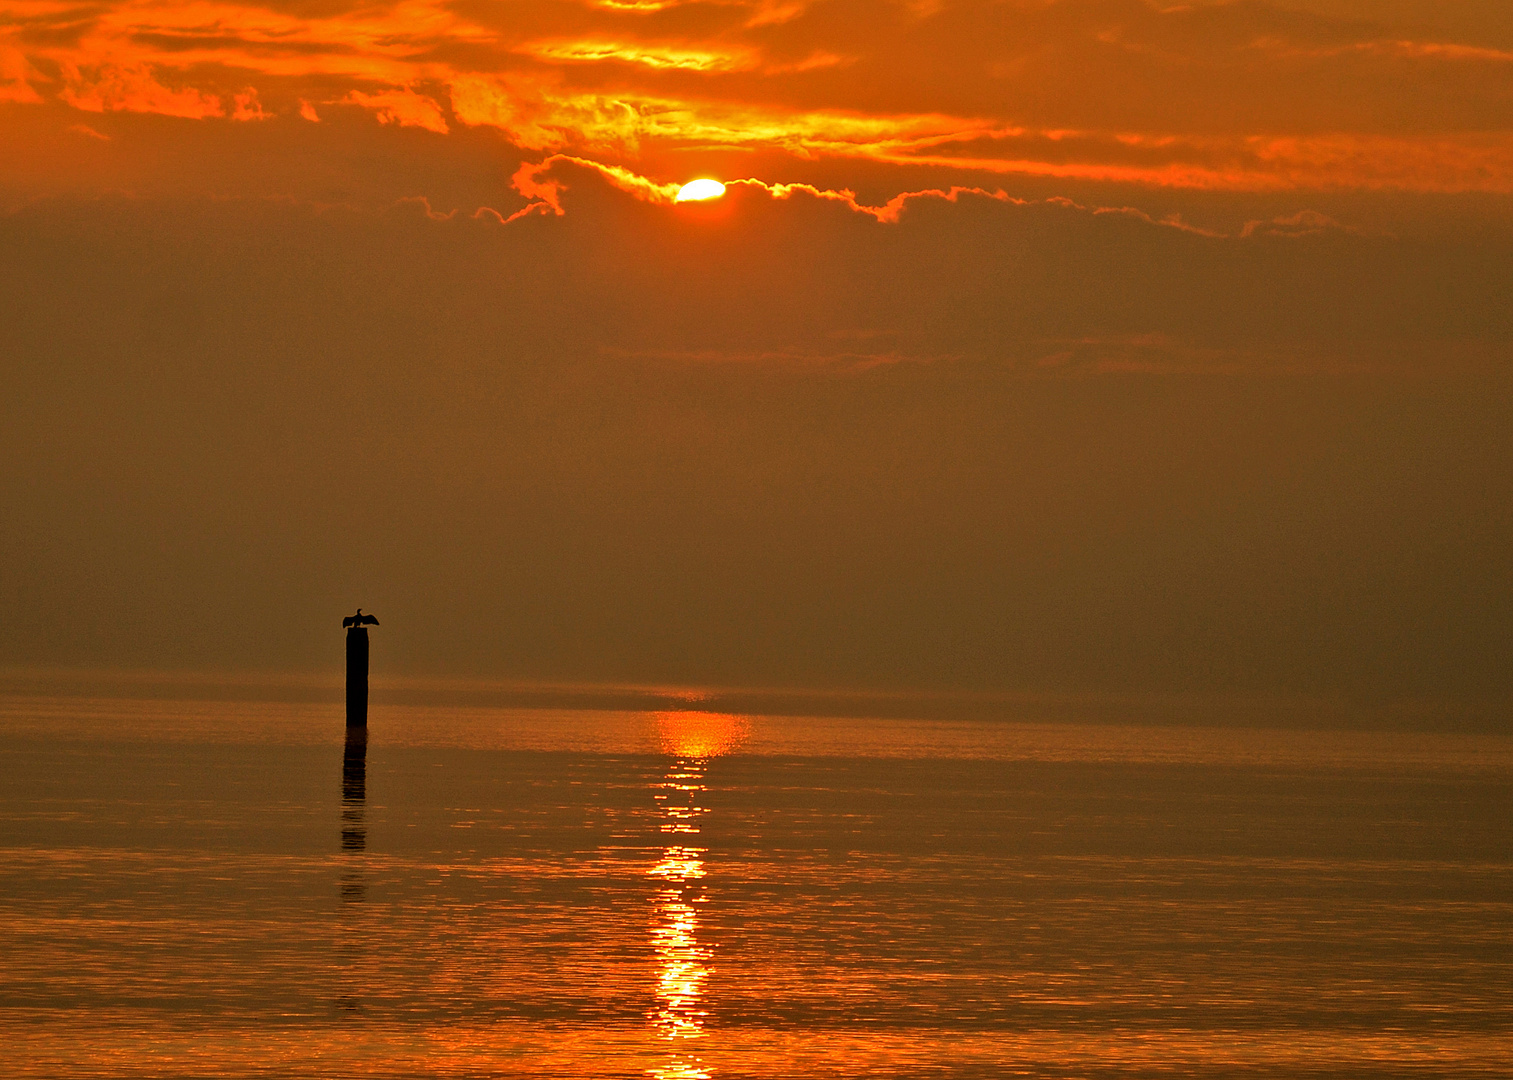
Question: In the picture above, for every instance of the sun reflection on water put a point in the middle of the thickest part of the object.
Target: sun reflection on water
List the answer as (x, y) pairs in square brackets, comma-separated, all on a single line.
[(680, 1014)]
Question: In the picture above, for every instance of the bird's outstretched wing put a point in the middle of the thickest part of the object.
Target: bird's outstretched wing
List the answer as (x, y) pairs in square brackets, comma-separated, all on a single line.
[(368, 620), (350, 620)]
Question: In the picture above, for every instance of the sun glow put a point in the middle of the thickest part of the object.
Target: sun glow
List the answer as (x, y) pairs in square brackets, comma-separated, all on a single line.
[(700, 190), (700, 734)]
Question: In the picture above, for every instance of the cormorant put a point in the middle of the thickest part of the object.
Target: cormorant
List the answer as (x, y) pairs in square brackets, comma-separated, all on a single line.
[(359, 620)]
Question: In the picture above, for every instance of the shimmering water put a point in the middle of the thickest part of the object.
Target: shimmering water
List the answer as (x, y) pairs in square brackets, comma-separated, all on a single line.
[(224, 889)]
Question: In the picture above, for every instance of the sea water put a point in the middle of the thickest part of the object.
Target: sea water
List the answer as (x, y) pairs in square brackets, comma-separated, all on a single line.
[(224, 889)]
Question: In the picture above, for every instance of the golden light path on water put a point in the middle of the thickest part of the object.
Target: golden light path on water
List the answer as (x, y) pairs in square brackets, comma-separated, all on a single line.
[(692, 738)]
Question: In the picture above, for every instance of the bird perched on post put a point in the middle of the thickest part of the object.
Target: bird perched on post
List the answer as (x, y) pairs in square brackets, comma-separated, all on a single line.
[(359, 620)]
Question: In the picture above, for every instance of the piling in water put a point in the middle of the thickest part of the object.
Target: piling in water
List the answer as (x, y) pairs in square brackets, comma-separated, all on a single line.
[(357, 676)]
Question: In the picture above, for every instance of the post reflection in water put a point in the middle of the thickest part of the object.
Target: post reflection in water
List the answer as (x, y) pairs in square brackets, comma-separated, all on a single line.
[(350, 942), (692, 738), (354, 829)]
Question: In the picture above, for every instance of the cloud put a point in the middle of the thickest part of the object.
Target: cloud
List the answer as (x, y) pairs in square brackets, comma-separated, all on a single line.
[(534, 181), (403, 107), (1302, 223), (15, 73), (888, 213), (1410, 50), (245, 106), (545, 192), (135, 89), (652, 56), (1240, 97)]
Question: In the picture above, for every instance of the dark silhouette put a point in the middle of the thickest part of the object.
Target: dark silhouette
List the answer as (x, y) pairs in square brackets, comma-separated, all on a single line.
[(357, 667), (353, 884), (354, 790)]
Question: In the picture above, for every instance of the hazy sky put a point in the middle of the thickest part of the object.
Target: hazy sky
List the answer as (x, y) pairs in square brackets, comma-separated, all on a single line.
[(1070, 346)]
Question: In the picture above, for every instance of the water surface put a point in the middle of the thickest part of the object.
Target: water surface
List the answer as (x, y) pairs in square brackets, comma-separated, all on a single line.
[(227, 889)]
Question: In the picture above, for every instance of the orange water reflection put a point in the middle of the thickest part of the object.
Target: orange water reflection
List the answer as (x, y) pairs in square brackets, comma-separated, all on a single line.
[(680, 1014), (700, 735)]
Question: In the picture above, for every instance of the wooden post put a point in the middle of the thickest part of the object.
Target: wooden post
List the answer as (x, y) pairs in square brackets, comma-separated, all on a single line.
[(357, 677)]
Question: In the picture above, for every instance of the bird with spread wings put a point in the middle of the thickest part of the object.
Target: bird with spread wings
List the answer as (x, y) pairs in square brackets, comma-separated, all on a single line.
[(359, 620)]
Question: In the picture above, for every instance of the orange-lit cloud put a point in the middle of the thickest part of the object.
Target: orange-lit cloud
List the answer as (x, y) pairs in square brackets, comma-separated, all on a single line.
[(533, 180), (14, 75), (245, 106), (537, 182), (403, 107), (657, 57), (887, 212), (1227, 97), (545, 192), (134, 89)]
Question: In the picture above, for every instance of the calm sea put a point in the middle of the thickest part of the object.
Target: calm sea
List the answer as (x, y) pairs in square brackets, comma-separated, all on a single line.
[(226, 889)]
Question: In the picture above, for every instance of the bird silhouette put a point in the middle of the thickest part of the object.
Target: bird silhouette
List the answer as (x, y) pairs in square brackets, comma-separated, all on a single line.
[(359, 620)]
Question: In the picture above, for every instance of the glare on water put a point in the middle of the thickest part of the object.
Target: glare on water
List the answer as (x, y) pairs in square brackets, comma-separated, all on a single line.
[(693, 738)]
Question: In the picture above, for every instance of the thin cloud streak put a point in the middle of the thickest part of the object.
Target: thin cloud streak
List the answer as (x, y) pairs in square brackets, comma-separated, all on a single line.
[(534, 181)]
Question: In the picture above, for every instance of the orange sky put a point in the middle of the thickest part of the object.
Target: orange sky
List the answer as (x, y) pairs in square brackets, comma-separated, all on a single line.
[(1083, 345), (1337, 95)]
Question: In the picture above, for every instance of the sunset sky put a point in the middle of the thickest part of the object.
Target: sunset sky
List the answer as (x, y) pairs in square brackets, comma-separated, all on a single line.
[(1086, 346)]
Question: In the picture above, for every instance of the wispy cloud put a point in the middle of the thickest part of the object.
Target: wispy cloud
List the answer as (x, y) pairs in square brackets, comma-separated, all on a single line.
[(403, 107), (541, 184)]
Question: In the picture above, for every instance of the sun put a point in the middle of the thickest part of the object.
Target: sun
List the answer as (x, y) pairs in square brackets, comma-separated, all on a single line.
[(700, 190)]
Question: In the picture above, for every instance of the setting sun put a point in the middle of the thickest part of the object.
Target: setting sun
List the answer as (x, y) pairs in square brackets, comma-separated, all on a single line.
[(700, 190)]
